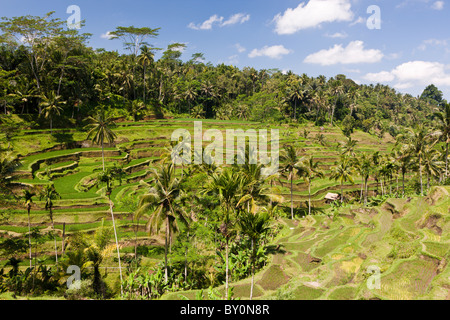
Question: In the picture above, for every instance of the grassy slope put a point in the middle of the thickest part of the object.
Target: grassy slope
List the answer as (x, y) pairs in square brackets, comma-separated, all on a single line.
[(343, 249)]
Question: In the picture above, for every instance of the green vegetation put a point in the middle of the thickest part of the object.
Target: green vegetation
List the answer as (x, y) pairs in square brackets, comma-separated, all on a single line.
[(74, 172)]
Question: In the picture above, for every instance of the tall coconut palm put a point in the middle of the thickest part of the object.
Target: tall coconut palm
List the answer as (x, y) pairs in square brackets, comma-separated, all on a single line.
[(363, 166), (7, 167), (311, 171), (336, 89), (348, 147), (227, 186), (107, 178), (255, 185), (403, 158), (289, 159), (100, 130), (145, 58), (28, 199), (255, 226), (432, 165), (48, 194), (51, 106), (444, 128), (416, 143), (342, 173), (160, 200)]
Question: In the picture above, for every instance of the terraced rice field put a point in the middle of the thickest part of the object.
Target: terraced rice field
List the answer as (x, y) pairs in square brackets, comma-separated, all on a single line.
[(318, 257), (324, 258)]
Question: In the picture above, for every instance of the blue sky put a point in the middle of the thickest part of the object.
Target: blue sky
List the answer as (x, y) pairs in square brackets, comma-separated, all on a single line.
[(410, 50)]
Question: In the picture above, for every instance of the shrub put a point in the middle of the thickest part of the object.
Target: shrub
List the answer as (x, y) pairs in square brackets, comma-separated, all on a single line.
[(80, 290)]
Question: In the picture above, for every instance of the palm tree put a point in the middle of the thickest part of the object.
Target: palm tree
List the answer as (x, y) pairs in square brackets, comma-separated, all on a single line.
[(444, 128), (342, 172), (7, 167), (289, 159), (336, 89), (227, 186), (432, 164), (28, 199), (107, 177), (189, 94), (363, 165), (255, 187), (311, 171), (48, 194), (403, 158), (255, 226), (100, 129), (145, 58), (416, 143), (95, 251), (160, 200), (51, 107), (348, 147)]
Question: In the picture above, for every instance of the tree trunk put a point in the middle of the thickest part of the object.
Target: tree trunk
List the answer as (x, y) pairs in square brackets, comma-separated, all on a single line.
[(309, 198), (54, 238), (292, 202), (366, 191), (144, 82), (446, 159), (420, 174), (117, 244), (403, 182), (253, 269), (362, 188), (29, 231), (226, 267), (166, 275), (63, 238), (103, 158), (135, 241)]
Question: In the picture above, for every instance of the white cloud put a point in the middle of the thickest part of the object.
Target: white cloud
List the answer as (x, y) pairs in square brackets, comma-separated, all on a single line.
[(337, 35), (215, 19), (274, 52), (240, 48), (422, 72), (352, 54), (432, 42), (383, 76), (358, 21), (438, 5), (106, 35), (236, 18), (414, 73), (312, 15), (206, 25)]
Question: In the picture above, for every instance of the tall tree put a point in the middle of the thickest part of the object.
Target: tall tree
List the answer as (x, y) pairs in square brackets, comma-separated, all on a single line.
[(133, 39), (145, 58), (255, 226), (36, 34), (444, 130), (48, 194), (107, 178), (161, 201), (289, 160), (342, 173), (227, 186), (100, 130), (311, 171), (416, 143), (51, 106), (28, 199)]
